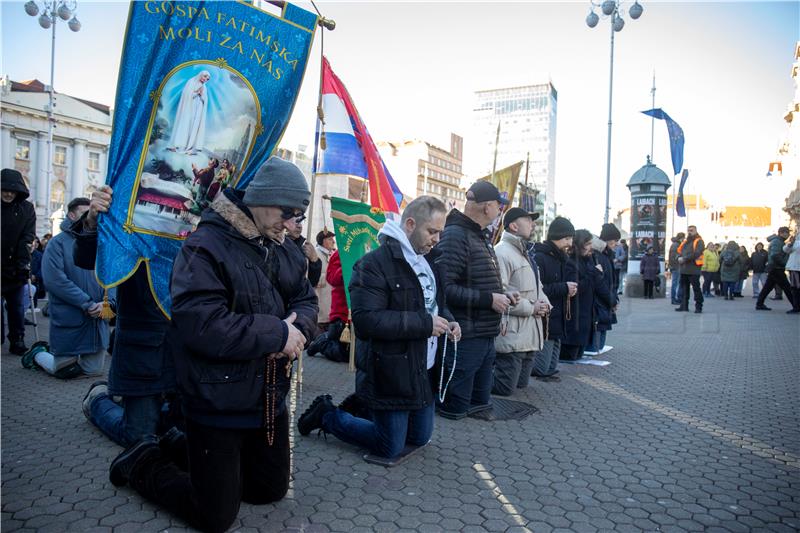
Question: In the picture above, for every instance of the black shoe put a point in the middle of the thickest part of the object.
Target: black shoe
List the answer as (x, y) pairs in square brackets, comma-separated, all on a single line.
[(763, 308), (776, 298), (698, 311), (29, 322), (311, 419), (682, 309), (793, 311), (316, 345), (123, 465), (17, 347)]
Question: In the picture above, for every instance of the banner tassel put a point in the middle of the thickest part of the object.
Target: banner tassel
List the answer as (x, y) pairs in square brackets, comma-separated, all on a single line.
[(106, 313)]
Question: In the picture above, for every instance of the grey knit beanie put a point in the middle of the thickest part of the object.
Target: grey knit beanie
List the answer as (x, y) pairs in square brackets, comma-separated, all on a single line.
[(278, 183)]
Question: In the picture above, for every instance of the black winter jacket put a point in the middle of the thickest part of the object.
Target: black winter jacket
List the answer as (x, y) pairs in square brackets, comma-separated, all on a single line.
[(393, 328), (553, 272), (469, 265), (142, 364), (591, 288), (605, 314), (18, 231), (231, 292), (758, 261)]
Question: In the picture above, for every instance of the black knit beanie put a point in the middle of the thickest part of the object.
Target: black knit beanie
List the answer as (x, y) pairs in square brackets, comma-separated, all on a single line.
[(610, 233), (559, 228)]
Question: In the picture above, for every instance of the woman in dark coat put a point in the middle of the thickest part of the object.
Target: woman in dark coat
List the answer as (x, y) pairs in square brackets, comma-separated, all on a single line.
[(745, 273), (582, 320), (649, 268)]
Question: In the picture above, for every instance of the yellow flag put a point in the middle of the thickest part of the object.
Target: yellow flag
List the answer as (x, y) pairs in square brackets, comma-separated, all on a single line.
[(506, 180)]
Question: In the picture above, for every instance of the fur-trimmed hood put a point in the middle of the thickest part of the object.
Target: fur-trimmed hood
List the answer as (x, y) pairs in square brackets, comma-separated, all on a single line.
[(234, 215)]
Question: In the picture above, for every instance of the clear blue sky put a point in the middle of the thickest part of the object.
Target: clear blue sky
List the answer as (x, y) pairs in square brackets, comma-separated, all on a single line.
[(722, 69)]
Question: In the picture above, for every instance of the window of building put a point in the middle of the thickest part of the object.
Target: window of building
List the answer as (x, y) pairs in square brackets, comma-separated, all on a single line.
[(23, 149), (57, 192), (94, 160), (60, 156)]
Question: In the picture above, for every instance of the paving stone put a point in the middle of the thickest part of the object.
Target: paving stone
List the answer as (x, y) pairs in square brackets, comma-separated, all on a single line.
[(639, 445)]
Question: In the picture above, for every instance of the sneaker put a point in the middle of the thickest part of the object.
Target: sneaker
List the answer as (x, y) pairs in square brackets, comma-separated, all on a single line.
[(123, 465), (605, 349), (17, 347), (763, 308), (589, 352), (311, 419), (95, 389), (28, 359)]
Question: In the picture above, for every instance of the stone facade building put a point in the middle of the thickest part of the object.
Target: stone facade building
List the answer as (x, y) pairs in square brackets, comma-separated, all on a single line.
[(81, 137)]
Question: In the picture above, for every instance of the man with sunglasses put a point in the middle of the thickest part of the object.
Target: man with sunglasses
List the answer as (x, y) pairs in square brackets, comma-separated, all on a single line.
[(241, 314), (475, 295)]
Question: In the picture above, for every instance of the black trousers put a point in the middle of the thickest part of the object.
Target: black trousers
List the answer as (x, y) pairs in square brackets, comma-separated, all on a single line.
[(776, 278), (14, 300), (693, 281), (226, 467), (648, 288)]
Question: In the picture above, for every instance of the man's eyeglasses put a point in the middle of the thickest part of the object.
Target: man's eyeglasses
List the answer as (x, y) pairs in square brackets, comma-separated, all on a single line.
[(288, 213)]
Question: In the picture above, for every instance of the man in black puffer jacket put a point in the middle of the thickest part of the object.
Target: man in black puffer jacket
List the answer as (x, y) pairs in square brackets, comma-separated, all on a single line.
[(474, 294), (240, 316), (19, 230), (552, 258)]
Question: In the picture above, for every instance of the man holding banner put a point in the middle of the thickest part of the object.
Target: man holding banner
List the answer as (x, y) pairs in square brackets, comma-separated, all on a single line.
[(236, 308)]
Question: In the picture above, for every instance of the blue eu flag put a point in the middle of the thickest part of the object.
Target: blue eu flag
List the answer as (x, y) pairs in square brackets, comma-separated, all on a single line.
[(675, 137), (680, 206)]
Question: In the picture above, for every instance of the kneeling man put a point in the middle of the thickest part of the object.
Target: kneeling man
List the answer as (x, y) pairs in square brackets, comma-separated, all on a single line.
[(400, 321)]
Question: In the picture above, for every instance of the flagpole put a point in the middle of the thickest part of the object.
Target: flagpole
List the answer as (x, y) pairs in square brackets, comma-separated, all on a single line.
[(496, 143), (653, 118)]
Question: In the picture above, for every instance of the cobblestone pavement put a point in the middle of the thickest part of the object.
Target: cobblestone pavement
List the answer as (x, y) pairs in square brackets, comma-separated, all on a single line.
[(693, 427)]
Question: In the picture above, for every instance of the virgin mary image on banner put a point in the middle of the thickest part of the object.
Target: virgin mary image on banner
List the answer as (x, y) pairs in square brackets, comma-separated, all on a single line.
[(188, 133), (203, 125)]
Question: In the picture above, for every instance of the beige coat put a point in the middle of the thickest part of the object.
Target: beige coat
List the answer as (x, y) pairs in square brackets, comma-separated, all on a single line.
[(323, 288), (525, 331)]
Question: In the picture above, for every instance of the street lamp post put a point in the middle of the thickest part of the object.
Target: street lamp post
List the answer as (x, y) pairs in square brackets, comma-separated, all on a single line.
[(613, 10), (52, 11)]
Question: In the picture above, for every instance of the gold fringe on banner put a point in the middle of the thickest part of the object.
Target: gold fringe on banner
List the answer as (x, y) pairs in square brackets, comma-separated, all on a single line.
[(106, 313)]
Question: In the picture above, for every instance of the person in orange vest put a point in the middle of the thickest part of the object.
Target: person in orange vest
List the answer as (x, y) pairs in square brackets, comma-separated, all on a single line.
[(690, 262)]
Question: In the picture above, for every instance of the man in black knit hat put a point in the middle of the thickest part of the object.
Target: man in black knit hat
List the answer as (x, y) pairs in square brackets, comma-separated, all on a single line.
[(551, 256)]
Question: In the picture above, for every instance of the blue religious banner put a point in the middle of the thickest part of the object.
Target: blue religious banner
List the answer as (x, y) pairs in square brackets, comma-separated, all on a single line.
[(204, 93)]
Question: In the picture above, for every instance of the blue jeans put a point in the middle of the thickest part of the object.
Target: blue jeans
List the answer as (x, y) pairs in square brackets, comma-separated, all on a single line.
[(728, 288), (598, 341), (125, 424), (759, 279), (676, 286), (386, 434), (471, 386)]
